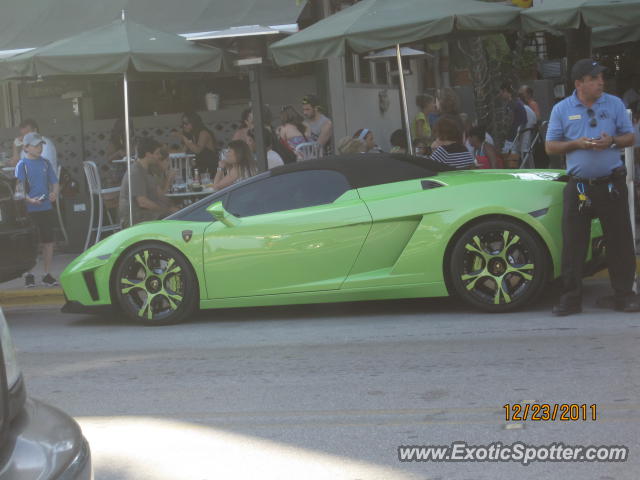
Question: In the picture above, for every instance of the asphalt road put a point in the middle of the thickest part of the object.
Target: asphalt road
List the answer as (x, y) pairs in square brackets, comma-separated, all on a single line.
[(331, 391)]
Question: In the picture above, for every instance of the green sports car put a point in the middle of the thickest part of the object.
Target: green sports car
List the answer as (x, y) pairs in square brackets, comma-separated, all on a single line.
[(360, 227)]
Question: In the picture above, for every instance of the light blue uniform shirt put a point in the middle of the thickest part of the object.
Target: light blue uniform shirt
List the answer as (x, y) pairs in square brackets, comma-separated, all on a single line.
[(570, 121), (41, 177)]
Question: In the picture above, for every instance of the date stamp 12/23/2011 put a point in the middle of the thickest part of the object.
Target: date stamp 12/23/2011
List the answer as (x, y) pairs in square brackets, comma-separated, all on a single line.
[(550, 412)]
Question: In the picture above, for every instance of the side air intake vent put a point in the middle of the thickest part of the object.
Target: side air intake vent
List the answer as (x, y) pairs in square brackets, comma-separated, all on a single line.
[(428, 184), (90, 280)]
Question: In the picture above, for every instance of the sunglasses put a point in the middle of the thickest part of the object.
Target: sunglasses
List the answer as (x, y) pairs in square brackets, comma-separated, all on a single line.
[(592, 116)]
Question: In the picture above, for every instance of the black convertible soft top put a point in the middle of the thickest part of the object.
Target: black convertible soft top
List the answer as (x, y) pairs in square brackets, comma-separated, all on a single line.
[(365, 170), (361, 170)]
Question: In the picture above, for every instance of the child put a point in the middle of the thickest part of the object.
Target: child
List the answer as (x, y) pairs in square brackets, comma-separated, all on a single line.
[(41, 189)]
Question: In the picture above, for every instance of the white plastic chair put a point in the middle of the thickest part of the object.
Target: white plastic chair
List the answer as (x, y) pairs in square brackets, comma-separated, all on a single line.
[(537, 134), (58, 208), (96, 190), (308, 151)]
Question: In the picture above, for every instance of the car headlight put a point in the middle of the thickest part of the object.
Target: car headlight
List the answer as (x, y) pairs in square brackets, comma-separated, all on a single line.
[(9, 352)]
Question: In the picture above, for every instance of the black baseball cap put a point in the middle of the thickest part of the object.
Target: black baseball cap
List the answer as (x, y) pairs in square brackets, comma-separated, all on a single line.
[(584, 67)]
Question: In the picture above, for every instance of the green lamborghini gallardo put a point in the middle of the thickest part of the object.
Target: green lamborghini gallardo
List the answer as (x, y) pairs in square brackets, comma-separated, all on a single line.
[(362, 227)]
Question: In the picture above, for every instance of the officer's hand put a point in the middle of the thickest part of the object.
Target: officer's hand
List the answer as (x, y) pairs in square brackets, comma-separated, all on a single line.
[(603, 142), (586, 143)]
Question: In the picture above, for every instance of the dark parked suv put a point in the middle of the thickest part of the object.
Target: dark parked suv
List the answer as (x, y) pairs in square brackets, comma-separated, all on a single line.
[(37, 441), (18, 238)]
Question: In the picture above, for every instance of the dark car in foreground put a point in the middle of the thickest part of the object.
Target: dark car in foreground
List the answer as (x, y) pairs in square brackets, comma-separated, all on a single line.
[(18, 237), (37, 441)]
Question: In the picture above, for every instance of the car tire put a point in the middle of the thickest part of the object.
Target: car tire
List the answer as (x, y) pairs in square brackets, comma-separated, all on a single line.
[(154, 284), (498, 266)]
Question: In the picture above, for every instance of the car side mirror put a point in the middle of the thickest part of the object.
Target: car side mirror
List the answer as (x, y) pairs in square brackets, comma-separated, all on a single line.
[(218, 212)]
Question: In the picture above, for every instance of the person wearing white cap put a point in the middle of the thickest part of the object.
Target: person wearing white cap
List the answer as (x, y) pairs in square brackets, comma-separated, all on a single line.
[(48, 151), (41, 189)]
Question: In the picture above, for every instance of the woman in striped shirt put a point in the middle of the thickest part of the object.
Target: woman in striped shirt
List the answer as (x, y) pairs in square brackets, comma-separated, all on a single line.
[(448, 148)]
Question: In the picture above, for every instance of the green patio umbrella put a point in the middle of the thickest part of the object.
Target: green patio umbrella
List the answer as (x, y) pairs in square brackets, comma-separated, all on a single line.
[(562, 14), (606, 36), (120, 47), (376, 24)]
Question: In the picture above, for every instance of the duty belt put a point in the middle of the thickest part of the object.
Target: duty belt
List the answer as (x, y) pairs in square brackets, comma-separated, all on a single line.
[(616, 174), (594, 181)]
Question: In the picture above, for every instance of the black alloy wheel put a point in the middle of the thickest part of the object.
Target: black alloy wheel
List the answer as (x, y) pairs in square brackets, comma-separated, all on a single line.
[(154, 285), (498, 266)]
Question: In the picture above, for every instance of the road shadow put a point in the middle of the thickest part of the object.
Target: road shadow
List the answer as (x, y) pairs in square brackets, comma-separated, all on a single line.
[(368, 309), (364, 309)]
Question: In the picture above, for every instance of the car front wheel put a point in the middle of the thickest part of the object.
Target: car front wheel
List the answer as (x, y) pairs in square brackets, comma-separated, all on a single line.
[(498, 266), (154, 285)]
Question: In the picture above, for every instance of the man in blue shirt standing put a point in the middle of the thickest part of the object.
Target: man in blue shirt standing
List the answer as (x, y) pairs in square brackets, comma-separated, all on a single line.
[(590, 127), (40, 189)]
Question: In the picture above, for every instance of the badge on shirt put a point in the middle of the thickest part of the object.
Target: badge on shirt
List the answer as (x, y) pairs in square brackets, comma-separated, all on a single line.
[(575, 117)]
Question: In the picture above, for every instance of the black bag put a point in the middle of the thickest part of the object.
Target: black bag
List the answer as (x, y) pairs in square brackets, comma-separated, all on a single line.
[(281, 147)]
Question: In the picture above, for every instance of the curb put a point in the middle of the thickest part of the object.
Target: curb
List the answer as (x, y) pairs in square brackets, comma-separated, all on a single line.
[(32, 296), (605, 273)]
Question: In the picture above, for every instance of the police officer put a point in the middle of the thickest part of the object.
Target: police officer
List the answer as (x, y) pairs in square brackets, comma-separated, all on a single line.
[(590, 127)]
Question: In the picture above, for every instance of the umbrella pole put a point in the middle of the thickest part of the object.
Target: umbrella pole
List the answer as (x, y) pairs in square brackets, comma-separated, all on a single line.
[(403, 94), (128, 143), (630, 164)]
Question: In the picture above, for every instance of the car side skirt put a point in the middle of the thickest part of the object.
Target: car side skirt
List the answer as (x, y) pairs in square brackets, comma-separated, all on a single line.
[(346, 295)]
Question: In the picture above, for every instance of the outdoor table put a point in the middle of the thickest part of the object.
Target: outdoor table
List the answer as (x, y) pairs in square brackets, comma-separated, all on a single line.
[(123, 160), (186, 198)]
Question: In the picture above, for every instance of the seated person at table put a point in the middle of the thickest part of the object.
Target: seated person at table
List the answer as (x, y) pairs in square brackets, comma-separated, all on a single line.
[(348, 145), (485, 154), (448, 147), (146, 202), (117, 146), (421, 147), (163, 175), (273, 158), (199, 140), (236, 165), (111, 173), (245, 130), (398, 141)]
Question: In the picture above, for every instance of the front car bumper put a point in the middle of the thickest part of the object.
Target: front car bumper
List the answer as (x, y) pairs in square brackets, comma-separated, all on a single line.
[(18, 251), (45, 443)]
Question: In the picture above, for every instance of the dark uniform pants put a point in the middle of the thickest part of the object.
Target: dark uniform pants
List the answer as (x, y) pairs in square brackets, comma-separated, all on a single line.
[(612, 208)]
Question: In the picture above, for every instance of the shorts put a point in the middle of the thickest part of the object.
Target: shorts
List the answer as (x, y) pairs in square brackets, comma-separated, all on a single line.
[(45, 221)]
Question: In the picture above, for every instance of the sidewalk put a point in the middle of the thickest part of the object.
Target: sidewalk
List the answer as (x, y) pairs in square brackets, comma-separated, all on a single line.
[(14, 293)]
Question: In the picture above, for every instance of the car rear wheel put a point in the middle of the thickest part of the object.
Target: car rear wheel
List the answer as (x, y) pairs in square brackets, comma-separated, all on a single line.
[(154, 285), (498, 266)]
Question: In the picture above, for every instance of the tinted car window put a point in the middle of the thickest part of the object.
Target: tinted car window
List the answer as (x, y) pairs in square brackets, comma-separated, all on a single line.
[(287, 192)]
